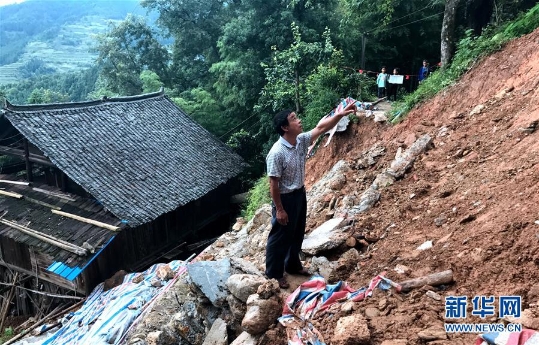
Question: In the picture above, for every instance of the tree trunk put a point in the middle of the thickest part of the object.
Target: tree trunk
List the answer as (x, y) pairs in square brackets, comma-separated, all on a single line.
[(297, 92), (448, 32)]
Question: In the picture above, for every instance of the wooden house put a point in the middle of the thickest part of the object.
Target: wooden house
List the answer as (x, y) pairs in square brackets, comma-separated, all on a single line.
[(107, 185)]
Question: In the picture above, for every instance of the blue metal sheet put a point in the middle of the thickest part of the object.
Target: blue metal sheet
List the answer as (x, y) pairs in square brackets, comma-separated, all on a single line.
[(54, 266), (60, 268), (70, 273), (74, 273)]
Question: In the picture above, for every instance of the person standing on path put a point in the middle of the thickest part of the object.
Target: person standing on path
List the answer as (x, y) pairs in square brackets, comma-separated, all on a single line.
[(393, 87), (424, 71), (381, 81), (286, 171)]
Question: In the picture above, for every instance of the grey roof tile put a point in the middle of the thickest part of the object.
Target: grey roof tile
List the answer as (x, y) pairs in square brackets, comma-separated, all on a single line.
[(139, 156)]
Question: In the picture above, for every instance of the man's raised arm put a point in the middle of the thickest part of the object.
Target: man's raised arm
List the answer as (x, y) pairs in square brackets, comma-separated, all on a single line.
[(328, 123)]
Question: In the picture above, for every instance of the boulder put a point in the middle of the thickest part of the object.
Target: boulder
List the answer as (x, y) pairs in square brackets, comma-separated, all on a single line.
[(261, 313), (217, 334), (244, 285), (210, 277), (351, 330), (327, 236), (245, 339), (164, 272)]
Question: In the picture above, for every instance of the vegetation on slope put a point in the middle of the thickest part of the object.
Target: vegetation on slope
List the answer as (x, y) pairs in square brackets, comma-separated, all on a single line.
[(470, 50)]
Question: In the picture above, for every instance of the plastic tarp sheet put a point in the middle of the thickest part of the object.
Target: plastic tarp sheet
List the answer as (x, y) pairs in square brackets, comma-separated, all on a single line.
[(106, 316)]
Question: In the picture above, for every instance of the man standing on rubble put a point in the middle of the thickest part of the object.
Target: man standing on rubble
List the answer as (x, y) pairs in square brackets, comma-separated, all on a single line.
[(286, 172)]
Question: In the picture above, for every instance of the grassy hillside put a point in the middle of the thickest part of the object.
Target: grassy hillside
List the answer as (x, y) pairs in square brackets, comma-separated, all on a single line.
[(42, 37)]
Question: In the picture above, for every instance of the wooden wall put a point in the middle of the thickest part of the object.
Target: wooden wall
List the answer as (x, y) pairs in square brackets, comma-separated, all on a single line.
[(135, 249)]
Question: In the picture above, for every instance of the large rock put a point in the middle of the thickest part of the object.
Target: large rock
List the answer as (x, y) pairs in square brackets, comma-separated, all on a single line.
[(161, 338), (383, 180), (164, 272), (351, 330), (244, 266), (261, 218), (217, 334), (332, 180), (261, 313), (245, 339), (434, 333), (237, 307), (244, 285), (405, 161), (189, 323), (322, 266), (346, 264), (366, 201), (210, 277), (327, 236), (529, 318)]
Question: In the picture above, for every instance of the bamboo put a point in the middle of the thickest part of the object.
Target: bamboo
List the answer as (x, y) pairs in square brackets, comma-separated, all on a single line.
[(39, 323), (87, 220), (13, 195), (46, 293), (47, 238), (7, 301), (25, 323), (15, 182)]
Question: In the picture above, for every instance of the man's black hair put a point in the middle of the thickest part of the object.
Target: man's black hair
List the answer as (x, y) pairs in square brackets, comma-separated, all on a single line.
[(280, 120)]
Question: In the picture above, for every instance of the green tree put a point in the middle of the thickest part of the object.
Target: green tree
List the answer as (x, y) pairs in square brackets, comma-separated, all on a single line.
[(126, 51), (249, 148), (45, 96), (203, 108), (195, 26), (150, 81), (286, 75)]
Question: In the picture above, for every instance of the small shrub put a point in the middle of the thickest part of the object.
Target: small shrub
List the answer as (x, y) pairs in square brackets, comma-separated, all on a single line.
[(7, 334), (258, 196)]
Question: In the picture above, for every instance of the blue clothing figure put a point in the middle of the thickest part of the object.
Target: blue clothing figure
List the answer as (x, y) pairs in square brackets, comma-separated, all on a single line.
[(381, 81), (424, 71)]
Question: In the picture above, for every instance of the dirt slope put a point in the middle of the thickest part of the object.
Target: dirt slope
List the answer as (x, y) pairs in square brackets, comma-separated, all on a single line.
[(475, 194)]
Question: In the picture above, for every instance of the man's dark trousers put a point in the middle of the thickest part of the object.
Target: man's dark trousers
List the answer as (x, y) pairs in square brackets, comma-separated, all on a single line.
[(284, 241)]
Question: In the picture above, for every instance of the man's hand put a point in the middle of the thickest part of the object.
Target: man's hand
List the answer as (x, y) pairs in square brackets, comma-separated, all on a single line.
[(327, 123), (349, 109), (282, 217), (280, 213)]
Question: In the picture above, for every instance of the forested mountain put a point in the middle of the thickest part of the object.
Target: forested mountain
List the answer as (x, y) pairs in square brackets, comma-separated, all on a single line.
[(43, 37), (232, 64)]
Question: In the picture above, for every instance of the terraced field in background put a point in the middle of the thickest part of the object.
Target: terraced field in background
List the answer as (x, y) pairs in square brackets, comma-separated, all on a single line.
[(69, 50)]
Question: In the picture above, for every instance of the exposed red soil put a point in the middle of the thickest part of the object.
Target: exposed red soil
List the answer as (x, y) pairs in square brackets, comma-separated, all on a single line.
[(475, 195)]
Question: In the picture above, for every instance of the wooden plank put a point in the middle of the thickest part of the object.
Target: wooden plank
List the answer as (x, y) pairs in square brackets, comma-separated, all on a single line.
[(87, 220), (42, 203), (439, 278), (46, 238), (7, 302), (57, 195), (45, 275), (13, 195)]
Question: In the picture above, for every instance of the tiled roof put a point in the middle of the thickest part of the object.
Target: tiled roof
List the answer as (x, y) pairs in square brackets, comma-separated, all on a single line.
[(139, 156)]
